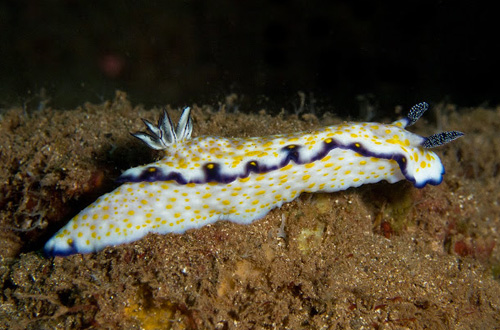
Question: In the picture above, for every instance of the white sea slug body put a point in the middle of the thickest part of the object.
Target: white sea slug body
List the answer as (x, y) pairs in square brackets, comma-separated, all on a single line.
[(206, 179)]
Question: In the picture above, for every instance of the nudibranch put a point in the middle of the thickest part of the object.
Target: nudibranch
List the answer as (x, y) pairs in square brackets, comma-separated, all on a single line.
[(208, 178)]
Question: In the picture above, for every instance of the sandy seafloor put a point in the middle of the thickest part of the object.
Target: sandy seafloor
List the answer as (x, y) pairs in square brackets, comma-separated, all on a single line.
[(377, 257)]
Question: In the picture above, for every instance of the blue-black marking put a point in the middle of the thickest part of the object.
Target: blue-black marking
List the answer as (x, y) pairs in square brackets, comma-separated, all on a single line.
[(214, 173), (292, 153), (57, 251)]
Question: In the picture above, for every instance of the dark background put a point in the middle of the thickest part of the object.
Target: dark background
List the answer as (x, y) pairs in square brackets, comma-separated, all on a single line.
[(65, 52)]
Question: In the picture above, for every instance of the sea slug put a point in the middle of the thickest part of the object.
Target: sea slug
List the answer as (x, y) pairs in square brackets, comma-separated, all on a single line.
[(209, 178)]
